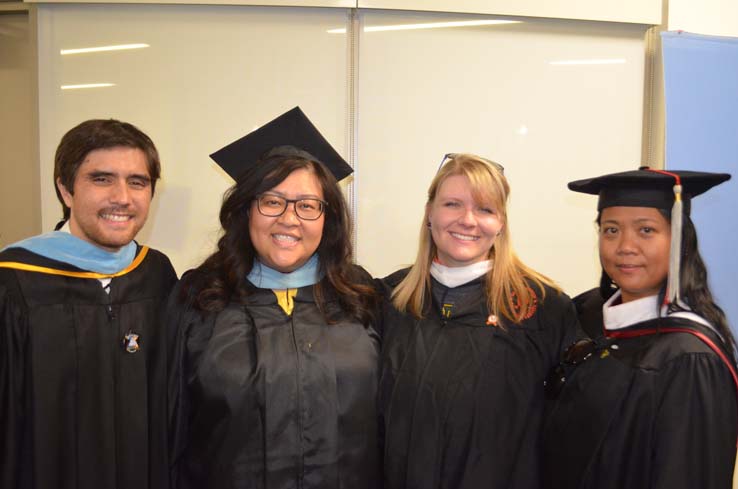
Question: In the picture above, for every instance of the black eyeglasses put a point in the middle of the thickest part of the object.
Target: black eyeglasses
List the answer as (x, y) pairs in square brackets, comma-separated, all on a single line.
[(577, 353), (451, 156), (271, 205)]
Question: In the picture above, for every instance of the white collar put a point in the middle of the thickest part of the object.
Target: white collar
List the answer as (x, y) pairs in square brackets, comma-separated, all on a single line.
[(626, 314), (623, 315), (455, 276)]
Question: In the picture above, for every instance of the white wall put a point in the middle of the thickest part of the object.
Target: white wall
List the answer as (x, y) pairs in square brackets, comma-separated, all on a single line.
[(628, 11), (212, 73), (636, 11), (713, 17), (497, 91), (209, 76), (20, 214), (189, 113)]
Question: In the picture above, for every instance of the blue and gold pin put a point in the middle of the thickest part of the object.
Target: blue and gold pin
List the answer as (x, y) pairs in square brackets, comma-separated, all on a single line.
[(130, 342)]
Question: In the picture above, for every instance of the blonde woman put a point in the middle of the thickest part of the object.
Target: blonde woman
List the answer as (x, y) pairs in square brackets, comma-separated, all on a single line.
[(470, 334)]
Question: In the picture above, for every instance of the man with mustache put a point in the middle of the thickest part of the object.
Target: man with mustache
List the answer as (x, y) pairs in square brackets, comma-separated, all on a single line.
[(82, 367)]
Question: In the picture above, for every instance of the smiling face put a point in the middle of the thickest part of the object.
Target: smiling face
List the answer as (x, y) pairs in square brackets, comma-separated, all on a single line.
[(111, 198), (286, 242), (634, 249), (463, 229)]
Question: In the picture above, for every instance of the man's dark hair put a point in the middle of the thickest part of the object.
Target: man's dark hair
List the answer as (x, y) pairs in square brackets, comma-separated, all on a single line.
[(94, 134)]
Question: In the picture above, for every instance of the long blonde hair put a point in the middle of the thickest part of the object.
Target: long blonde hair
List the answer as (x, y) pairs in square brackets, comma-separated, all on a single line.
[(509, 292)]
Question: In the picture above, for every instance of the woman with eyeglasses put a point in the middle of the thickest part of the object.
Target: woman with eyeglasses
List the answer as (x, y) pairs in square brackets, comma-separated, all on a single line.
[(650, 402), (274, 361), (470, 333)]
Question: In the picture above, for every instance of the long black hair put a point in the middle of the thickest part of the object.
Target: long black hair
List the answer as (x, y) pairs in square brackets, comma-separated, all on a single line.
[(695, 291), (221, 278)]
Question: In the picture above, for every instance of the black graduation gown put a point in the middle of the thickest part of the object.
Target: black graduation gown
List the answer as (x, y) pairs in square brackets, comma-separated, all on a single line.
[(261, 399), (655, 412), (462, 401), (76, 409)]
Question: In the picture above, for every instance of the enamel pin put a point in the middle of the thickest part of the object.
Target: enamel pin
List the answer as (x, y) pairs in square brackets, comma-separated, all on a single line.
[(130, 342)]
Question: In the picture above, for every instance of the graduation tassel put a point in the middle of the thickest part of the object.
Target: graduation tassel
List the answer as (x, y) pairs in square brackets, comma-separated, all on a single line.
[(675, 249), (675, 252)]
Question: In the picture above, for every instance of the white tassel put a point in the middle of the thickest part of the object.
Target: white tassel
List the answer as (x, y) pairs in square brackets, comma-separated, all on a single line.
[(675, 252)]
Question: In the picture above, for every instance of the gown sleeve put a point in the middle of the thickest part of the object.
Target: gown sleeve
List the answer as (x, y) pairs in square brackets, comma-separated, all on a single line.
[(13, 330), (174, 316), (695, 426), (188, 333), (562, 325)]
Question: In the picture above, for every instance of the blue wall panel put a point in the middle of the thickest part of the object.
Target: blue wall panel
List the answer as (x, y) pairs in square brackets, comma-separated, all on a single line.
[(701, 90)]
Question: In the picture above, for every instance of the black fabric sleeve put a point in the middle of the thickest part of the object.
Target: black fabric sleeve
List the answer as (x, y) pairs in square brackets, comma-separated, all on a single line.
[(695, 428), (562, 324), (177, 407), (589, 308), (13, 331), (188, 333)]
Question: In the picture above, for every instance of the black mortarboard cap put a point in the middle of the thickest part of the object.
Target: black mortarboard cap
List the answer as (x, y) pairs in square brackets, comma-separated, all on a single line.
[(290, 134), (646, 187)]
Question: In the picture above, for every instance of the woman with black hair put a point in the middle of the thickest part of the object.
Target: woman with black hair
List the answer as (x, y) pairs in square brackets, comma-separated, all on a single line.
[(274, 355), (650, 400)]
